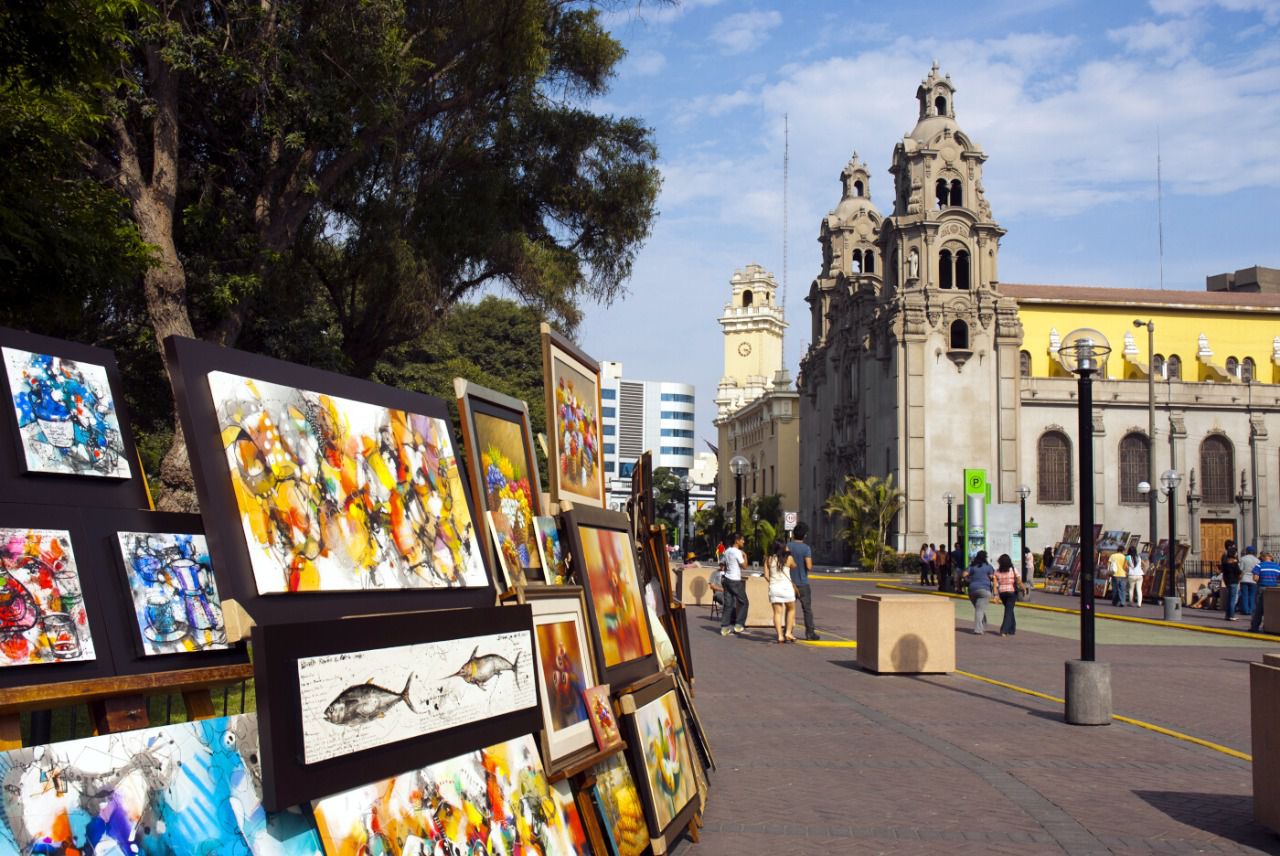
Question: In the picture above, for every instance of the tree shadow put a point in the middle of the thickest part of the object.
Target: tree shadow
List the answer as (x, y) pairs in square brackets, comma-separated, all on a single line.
[(1228, 816)]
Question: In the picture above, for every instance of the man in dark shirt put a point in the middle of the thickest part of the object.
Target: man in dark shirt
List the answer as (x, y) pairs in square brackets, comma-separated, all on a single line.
[(802, 555), (1230, 566), (957, 568)]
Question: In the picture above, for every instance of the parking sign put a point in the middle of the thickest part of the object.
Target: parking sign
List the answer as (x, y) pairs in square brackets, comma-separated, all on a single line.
[(789, 519)]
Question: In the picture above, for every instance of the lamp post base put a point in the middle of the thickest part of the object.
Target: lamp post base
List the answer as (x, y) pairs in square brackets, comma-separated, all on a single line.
[(1088, 692)]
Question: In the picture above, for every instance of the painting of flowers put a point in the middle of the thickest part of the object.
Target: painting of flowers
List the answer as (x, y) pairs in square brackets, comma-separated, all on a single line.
[(577, 431), (551, 550), (509, 494)]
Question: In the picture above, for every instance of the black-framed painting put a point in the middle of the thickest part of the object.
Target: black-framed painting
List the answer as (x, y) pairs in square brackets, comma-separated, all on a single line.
[(504, 477), (606, 566), (325, 495), (661, 758), (71, 443), (360, 699), (575, 467), (566, 670), (641, 502)]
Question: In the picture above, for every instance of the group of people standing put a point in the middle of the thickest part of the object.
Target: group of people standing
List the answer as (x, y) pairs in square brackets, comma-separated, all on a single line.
[(1127, 572), (786, 570), (1243, 578)]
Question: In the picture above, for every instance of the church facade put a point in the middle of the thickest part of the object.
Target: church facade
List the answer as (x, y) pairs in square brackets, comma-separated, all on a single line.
[(922, 363)]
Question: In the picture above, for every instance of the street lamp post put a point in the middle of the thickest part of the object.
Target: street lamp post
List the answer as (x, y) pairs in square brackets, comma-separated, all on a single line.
[(1088, 681), (686, 483), (1169, 480), (944, 580), (740, 466), (1023, 492), (1244, 500), (1151, 423)]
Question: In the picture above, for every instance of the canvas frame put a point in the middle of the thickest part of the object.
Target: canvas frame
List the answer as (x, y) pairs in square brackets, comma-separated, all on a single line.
[(631, 704), (629, 671), (18, 484), (190, 361), (555, 345), (286, 780), (562, 753), (475, 399)]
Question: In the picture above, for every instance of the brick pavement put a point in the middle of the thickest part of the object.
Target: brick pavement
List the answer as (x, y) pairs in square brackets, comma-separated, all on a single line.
[(817, 756)]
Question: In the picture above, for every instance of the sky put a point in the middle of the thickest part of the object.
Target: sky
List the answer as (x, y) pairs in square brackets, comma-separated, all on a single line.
[(1068, 100)]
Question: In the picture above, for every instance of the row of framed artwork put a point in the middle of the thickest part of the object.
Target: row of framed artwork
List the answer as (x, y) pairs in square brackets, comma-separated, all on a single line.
[(1064, 573)]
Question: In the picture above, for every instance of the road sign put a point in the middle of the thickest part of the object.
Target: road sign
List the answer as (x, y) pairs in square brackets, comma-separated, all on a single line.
[(789, 519)]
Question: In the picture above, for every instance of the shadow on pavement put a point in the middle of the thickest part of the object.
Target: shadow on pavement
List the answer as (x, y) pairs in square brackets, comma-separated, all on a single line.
[(1226, 815)]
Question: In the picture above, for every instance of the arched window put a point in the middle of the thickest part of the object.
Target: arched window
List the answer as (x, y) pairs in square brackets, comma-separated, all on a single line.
[(1053, 467), (869, 261), (962, 269), (1173, 368), (1216, 466), (957, 196), (747, 296), (857, 261), (1157, 365), (940, 104), (941, 193), (944, 269), (1134, 453), (959, 336), (1247, 369), (1024, 363), (857, 188), (1233, 367)]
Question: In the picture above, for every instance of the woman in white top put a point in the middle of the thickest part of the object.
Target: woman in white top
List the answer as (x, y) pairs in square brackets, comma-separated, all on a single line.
[(1133, 565), (782, 592)]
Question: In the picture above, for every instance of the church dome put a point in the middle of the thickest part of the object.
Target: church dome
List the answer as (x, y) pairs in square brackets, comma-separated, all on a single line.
[(929, 127), (856, 198)]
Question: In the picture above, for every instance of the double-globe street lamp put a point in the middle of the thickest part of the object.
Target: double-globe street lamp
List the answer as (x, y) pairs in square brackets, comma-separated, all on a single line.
[(1151, 423), (1084, 352), (1169, 481), (739, 466), (944, 582), (1023, 492)]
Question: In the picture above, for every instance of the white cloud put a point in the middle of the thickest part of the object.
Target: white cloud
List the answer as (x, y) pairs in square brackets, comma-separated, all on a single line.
[(653, 13), (745, 31), (1269, 9), (645, 63), (1170, 40)]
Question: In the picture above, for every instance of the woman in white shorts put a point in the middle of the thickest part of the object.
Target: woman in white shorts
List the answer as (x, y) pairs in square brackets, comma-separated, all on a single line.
[(782, 592)]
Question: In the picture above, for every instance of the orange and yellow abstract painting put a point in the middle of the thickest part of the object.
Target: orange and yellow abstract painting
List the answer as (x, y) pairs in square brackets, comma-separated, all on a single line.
[(615, 595)]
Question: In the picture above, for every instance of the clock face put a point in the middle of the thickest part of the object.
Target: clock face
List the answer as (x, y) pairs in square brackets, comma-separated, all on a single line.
[(744, 349)]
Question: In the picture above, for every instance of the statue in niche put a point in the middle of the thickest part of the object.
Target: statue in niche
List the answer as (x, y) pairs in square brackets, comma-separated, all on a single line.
[(913, 264)]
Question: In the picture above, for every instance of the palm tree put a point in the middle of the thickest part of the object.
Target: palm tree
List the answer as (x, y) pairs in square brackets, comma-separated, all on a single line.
[(868, 506)]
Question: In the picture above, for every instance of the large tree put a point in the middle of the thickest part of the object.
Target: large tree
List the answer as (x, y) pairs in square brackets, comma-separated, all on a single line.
[(387, 157)]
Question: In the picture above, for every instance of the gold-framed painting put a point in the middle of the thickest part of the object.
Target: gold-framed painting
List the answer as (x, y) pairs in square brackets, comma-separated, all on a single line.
[(575, 468)]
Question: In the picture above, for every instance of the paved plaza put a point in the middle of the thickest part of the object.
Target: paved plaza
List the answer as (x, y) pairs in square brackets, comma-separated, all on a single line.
[(817, 756)]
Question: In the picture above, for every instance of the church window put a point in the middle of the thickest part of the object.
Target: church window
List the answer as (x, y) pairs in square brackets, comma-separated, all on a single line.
[(857, 261), (941, 193), (959, 336), (962, 269), (944, 269), (1173, 368), (1134, 452), (869, 260), (1247, 369), (940, 104), (1157, 365), (957, 196), (1233, 367), (1216, 466), (1024, 363), (747, 297), (1053, 471), (857, 188)]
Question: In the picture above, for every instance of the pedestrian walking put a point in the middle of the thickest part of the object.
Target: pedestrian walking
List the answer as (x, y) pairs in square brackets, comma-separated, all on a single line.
[(1028, 565), (802, 557), (926, 563), (1248, 587), (1046, 561), (1135, 573), (1008, 585), (1267, 576), (782, 592), (942, 568), (1119, 575), (957, 568), (980, 577), (733, 617), (1230, 567)]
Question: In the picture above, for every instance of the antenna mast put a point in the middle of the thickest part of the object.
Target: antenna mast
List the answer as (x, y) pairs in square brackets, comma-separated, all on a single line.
[(786, 168), (1159, 208)]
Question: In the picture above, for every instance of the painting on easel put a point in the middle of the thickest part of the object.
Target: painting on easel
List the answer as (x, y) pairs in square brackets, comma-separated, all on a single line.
[(42, 613)]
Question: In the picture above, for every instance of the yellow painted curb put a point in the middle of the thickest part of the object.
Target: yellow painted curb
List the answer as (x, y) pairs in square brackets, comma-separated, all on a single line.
[(1133, 619), (1127, 720), (822, 643), (846, 579)]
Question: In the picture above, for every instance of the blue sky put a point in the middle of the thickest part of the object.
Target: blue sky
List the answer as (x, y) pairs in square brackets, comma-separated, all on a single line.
[(1066, 98)]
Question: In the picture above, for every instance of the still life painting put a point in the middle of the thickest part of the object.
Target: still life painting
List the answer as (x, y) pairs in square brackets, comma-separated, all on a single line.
[(577, 432), (668, 765), (620, 810), (551, 550), (175, 596), (492, 801), (358, 700), (509, 492), (609, 564), (66, 416), (194, 787), (342, 495), (42, 613), (600, 711)]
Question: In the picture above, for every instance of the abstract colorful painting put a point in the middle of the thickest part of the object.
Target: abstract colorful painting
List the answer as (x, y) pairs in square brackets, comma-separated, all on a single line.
[(573, 821), (175, 597), (577, 431), (668, 765), (490, 801), (600, 712), (551, 550), (560, 657), (66, 416), (188, 788), (609, 564), (42, 614), (621, 813), (504, 465), (355, 701), (341, 495)]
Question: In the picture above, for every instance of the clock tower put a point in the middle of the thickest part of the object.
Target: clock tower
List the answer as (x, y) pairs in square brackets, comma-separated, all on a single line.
[(753, 325)]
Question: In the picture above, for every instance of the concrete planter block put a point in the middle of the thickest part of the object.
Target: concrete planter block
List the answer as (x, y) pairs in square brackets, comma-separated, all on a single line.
[(1264, 702), (906, 633)]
